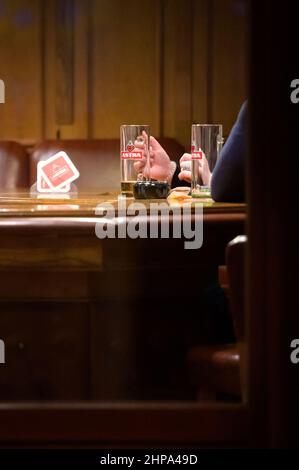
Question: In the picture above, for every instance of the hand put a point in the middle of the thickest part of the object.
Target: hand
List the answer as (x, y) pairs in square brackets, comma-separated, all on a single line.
[(185, 164), (161, 167), (204, 170)]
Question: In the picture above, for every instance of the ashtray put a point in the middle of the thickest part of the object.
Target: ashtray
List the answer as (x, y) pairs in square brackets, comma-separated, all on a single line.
[(152, 189)]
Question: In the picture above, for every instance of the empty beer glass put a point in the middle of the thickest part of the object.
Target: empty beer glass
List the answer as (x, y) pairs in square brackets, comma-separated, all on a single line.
[(206, 144)]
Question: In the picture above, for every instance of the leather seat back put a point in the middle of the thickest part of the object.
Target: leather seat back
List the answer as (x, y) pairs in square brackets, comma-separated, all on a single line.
[(14, 171), (97, 160), (235, 261)]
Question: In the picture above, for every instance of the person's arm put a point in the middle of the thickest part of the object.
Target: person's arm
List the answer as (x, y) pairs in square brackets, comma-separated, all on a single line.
[(228, 179)]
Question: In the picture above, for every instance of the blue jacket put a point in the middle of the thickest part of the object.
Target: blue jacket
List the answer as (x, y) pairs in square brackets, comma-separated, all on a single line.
[(228, 179)]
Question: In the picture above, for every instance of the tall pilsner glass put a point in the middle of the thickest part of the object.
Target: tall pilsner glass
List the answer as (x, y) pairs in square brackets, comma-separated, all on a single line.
[(134, 156), (206, 144)]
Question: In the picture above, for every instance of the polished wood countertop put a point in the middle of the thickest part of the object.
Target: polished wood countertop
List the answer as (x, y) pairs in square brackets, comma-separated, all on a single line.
[(20, 204)]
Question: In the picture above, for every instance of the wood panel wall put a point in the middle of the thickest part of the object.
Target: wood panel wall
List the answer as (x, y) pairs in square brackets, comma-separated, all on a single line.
[(21, 69), (80, 68)]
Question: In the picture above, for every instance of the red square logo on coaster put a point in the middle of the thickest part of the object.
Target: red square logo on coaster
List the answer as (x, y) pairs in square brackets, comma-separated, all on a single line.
[(58, 171), (43, 187)]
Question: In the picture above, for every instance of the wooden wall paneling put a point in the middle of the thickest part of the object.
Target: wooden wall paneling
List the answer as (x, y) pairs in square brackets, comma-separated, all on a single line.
[(125, 65), (200, 60), (71, 121), (228, 54), (179, 62), (114, 355), (21, 69), (177, 97), (47, 351), (51, 252), (64, 61), (25, 285)]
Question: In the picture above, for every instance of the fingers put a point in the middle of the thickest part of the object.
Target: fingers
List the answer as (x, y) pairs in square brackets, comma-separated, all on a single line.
[(139, 145), (186, 157), (185, 176), (139, 166), (185, 165), (145, 136), (156, 148), (154, 144), (141, 140)]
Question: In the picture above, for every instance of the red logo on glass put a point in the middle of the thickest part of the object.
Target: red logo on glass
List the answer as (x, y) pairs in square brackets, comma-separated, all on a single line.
[(197, 155), (130, 154)]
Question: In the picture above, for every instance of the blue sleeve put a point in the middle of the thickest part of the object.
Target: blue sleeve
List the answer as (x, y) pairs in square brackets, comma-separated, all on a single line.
[(228, 179)]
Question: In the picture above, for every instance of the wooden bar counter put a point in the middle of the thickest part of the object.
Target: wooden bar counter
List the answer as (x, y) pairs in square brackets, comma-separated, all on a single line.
[(85, 318)]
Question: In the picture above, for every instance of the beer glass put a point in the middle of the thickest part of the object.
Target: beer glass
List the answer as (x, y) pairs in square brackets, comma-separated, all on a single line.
[(134, 156), (206, 144)]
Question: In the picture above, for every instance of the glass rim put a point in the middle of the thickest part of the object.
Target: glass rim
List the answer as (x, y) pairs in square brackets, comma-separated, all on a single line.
[(207, 125), (135, 125)]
